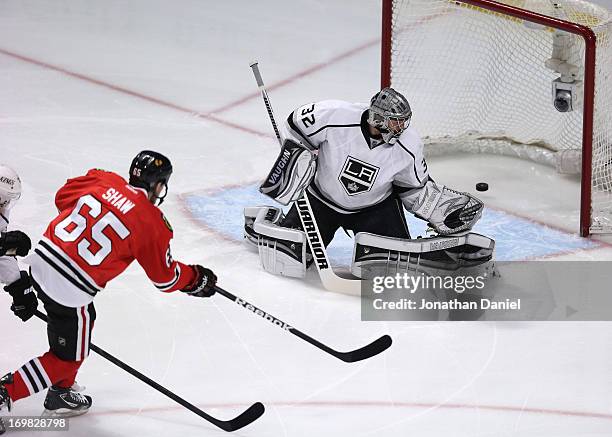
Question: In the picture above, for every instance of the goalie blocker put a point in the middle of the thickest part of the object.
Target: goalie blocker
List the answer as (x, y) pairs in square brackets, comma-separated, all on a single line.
[(291, 174)]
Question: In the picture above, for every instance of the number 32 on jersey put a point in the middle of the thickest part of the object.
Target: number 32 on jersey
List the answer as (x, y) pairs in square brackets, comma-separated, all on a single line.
[(307, 118)]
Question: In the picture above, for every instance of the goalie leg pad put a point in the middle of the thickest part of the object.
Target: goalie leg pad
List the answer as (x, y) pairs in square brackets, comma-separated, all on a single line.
[(282, 251), (272, 214), (291, 174), (469, 254)]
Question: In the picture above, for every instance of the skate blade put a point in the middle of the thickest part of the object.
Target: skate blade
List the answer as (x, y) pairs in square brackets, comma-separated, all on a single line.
[(63, 413)]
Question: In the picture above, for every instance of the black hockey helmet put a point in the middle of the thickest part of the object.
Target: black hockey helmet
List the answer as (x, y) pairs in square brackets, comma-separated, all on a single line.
[(148, 169)]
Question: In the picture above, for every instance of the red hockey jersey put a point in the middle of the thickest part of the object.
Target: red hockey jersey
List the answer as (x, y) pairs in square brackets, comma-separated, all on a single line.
[(103, 225)]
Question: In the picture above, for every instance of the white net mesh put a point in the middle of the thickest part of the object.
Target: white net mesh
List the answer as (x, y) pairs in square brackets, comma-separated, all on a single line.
[(477, 81)]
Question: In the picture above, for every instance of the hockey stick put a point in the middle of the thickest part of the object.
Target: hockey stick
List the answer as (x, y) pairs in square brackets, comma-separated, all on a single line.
[(247, 417), (368, 351), (329, 279)]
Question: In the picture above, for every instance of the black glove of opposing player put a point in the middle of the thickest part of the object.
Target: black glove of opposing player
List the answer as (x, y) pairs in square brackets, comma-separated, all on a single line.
[(204, 283), (16, 240), (25, 301)]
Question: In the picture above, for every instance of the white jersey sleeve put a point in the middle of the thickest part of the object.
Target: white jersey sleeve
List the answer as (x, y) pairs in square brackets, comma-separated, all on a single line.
[(414, 173), (308, 124), (9, 269)]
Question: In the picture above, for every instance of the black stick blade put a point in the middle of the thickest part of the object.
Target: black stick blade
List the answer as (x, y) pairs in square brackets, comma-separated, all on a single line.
[(374, 348), (249, 416)]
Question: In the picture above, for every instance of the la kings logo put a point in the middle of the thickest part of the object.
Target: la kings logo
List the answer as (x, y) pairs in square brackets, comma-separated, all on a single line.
[(357, 176)]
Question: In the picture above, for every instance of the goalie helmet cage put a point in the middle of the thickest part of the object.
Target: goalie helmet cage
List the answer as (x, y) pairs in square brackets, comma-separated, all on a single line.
[(479, 75)]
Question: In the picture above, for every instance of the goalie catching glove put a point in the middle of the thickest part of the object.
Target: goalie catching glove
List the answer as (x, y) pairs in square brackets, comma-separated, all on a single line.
[(291, 174), (447, 211)]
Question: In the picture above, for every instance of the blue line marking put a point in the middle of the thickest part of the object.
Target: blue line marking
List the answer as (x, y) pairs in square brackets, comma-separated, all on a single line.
[(516, 238)]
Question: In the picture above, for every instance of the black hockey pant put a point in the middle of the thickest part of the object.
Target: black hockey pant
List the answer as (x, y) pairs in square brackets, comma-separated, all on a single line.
[(386, 218)]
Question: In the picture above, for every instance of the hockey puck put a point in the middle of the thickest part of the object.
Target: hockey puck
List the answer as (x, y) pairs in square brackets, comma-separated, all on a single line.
[(482, 186)]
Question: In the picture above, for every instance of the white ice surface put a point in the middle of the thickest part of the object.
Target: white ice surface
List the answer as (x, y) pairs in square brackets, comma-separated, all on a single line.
[(451, 379)]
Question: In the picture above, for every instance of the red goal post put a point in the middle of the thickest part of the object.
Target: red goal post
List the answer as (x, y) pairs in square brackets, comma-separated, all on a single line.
[(396, 57)]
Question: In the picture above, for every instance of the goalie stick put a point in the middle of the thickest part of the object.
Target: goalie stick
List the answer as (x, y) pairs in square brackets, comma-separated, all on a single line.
[(377, 346), (329, 279), (247, 417)]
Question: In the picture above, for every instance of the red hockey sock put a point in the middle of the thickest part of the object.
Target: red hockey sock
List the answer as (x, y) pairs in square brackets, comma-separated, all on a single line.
[(41, 373), (69, 380)]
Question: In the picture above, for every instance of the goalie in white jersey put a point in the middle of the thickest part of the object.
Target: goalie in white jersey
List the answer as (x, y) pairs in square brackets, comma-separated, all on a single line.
[(360, 166)]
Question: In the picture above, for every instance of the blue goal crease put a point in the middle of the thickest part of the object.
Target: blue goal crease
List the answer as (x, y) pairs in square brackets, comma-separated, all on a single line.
[(515, 238)]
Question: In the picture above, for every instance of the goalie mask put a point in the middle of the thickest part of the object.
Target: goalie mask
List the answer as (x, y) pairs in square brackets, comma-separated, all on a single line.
[(10, 188), (390, 113)]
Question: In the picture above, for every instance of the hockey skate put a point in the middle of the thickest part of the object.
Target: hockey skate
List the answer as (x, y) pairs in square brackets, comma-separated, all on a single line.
[(5, 400), (65, 402)]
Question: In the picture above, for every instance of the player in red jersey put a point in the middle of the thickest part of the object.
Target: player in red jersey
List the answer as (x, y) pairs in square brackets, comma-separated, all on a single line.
[(104, 223)]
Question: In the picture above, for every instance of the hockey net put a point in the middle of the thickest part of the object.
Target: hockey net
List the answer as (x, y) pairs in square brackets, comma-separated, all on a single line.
[(479, 76)]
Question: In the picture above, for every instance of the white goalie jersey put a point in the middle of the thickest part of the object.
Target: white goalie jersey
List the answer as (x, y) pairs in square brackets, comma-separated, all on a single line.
[(355, 171)]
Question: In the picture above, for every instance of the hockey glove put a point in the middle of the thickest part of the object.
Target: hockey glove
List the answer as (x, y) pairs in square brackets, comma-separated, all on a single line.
[(25, 301), (292, 172), (469, 213), (447, 211), (204, 283), (15, 240)]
